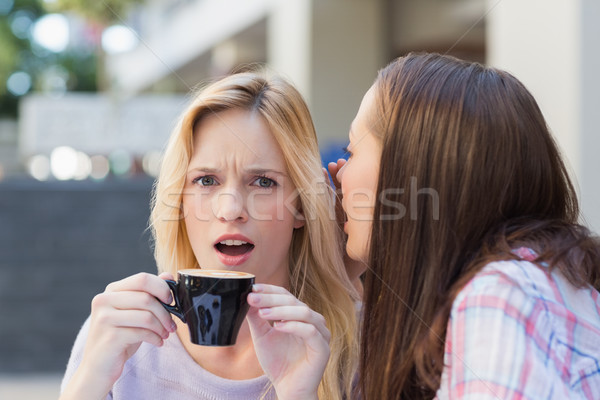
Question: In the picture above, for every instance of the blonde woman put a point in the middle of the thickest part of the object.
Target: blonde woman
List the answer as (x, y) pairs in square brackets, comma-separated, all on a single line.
[(241, 187)]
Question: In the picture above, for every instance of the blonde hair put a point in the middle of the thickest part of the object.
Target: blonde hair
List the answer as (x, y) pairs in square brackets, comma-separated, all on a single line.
[(317, 273)]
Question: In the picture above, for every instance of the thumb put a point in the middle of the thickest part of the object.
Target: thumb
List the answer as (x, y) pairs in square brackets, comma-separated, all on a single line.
[(166, 276)]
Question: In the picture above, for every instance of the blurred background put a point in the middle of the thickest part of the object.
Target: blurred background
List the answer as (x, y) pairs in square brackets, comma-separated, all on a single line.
[(89, 91)]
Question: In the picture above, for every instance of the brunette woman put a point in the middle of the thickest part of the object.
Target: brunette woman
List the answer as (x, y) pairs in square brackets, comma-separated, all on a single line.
[(481, 281)]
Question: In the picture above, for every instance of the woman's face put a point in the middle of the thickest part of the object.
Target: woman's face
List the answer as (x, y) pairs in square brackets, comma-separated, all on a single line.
[(239, 202), (359, 179)]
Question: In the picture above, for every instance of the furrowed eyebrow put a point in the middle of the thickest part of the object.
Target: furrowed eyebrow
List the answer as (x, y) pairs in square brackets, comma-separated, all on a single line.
[(253, 171), (262, 171), (206, 170)]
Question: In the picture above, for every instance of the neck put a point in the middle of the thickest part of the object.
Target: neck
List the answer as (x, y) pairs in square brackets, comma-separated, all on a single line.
[(236, 362)]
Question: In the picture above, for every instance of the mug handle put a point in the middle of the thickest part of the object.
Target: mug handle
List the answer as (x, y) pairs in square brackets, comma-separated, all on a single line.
[(176, 309)]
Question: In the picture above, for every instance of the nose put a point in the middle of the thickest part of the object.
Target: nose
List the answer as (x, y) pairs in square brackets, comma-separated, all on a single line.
[(229, 206)]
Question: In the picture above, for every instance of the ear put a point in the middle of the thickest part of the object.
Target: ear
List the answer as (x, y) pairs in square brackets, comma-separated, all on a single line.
[(299, 220)]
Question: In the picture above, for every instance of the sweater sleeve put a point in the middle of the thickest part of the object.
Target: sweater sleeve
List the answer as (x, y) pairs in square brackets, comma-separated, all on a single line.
[(76, 356)]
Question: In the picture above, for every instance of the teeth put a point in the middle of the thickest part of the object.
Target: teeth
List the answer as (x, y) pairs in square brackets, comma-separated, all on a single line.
[(233, 242)]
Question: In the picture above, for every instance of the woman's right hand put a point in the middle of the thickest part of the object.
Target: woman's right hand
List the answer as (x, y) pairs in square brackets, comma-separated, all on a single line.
[(126, 314)]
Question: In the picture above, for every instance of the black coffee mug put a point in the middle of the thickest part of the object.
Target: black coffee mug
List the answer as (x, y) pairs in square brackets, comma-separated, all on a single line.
[(212, 303)]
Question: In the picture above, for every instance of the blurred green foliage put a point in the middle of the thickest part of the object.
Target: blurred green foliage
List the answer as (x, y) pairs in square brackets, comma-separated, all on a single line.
[(20, 53), (102, 11), (14, 51)]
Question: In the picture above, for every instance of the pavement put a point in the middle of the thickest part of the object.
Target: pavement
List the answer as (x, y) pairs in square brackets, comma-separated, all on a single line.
[(30, 387)]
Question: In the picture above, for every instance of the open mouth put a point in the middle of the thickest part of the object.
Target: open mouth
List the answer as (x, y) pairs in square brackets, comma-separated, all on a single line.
[(234, 247)]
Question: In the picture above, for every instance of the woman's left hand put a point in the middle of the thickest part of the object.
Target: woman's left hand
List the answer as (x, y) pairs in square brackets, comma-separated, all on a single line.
[(294, 350)]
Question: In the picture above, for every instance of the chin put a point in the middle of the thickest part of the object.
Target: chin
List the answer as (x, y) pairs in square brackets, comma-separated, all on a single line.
[(355, 254)]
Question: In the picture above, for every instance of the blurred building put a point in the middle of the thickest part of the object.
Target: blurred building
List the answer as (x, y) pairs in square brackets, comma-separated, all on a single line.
[(8, 147), (332, 49), (553, 47)]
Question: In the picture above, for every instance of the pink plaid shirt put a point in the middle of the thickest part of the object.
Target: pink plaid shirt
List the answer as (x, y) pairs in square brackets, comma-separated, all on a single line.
[(517, 331)]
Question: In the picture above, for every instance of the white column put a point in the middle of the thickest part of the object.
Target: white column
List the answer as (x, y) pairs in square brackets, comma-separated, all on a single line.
[(590, 112), (348, 48), (289, 40), (331, 50), (552, 47)]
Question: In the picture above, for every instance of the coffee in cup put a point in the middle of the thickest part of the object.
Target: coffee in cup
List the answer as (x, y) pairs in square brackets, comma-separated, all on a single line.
[(212, 303)]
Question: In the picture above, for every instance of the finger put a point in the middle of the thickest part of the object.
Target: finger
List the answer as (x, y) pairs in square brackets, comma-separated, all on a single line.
[(143, 282), (138, 319), (131, 336), (135, 301), (333, 170), (266, 288), (263, 300), (166, 276), (292, 313), (295, 313), (311, 335), (340, 163), (258, 326), (325, 175)]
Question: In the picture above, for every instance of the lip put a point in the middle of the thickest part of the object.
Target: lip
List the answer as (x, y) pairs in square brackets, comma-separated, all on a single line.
[(234, 236), (345, 216), (233, 260)]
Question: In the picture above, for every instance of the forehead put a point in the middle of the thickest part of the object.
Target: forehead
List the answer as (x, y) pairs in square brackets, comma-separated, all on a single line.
[(236, 134), (362, 123)]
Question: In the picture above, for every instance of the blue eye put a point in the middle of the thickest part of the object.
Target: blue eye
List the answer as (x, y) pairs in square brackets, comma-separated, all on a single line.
[(205, 180), (265, 182)]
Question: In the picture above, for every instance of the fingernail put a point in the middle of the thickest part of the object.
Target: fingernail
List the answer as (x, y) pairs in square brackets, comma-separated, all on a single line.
[(170, 299), (264, 311), (253, 298), (257, 288), (173, 326)]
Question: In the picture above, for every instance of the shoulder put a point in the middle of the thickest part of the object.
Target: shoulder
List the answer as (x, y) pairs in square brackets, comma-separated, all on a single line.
[(498, 336), (526, 286), (528, 277), (507, 296), (515, 287), (518, 314)]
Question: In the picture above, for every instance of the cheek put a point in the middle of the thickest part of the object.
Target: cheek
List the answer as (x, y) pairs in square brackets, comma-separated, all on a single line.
[(271, 206), (358, 242), (196, 208), (359, 196), (262, 206)]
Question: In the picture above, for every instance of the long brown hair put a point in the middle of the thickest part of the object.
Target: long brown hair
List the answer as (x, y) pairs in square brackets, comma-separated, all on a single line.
[(481, 175)]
